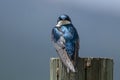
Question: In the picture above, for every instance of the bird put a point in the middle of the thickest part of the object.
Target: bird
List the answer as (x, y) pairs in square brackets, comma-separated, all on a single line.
[(66, 42)]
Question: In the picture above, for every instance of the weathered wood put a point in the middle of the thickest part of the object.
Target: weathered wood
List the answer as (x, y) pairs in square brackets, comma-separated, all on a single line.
[(87, 69)]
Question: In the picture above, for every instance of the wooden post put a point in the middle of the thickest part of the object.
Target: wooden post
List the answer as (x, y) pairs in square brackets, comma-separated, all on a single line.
[(87, 69)]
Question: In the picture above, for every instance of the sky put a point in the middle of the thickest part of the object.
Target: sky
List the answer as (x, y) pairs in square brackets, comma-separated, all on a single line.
[(25, 28)]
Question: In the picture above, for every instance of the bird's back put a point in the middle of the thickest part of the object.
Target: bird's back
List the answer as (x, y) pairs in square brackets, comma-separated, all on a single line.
[(69, 33)]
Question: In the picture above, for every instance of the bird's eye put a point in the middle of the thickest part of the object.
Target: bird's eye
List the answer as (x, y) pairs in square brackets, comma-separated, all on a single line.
[(60, 18), (67, 18)]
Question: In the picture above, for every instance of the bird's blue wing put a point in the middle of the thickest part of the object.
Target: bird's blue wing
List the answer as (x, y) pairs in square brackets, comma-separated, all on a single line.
[(59, 43), (71, 41)]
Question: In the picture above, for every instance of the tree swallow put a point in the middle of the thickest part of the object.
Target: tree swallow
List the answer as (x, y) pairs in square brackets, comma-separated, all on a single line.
[(66, 41)]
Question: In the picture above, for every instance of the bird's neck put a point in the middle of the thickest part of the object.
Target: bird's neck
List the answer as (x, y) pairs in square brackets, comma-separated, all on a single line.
[(60, 23)]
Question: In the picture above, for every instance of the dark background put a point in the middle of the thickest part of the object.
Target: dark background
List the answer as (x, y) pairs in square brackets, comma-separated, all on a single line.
[(25, 28)]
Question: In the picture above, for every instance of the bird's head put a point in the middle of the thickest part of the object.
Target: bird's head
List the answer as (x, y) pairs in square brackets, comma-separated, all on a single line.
[(63, 20)]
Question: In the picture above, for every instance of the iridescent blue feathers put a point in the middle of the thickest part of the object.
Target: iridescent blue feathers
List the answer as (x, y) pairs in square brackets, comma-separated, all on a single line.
[(66, 41)]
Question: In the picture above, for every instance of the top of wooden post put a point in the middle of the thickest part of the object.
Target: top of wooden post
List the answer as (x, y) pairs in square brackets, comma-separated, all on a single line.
[(87, 69)]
